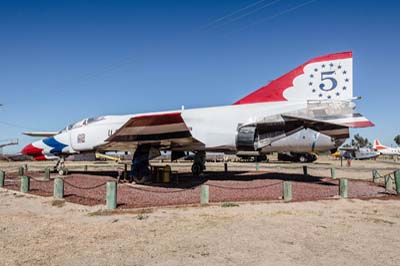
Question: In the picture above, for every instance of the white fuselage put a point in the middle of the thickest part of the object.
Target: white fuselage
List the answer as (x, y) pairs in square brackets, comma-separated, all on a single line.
[(389, 151), (215, 127)]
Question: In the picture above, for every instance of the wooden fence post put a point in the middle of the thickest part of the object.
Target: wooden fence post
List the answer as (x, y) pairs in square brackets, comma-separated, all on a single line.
[(287, 190), (111, 195), (333, 172), (21, 171), (25, 183), (305, 172), (204, 194), (58, 192), (2, 178), (47, 174), (397, 181), (374, 175), (343, 188)]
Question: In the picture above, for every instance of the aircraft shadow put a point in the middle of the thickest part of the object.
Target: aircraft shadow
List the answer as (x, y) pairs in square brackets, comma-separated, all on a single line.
[(97, 173), (188, 181)]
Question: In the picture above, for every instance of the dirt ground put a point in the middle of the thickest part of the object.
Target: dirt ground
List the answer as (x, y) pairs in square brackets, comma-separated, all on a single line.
[(39, 231)]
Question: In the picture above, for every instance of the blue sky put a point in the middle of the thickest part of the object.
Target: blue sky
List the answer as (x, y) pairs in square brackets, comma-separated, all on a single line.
[(61, 61)]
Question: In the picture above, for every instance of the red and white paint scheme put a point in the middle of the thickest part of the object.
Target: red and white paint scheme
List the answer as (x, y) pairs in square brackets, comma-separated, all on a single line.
[(310, 108), (385, 150)]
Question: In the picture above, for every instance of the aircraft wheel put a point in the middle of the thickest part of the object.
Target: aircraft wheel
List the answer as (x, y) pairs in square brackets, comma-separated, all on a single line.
[(141, 179), (63, 171), (302, 159), (197, 169), (142, 176)]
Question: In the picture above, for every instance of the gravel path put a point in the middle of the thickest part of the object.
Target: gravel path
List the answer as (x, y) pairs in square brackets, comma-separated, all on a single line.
[(89, 189)]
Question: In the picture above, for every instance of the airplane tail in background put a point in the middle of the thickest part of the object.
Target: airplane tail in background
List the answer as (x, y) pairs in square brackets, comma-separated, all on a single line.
[(328, 77), (378, 146)]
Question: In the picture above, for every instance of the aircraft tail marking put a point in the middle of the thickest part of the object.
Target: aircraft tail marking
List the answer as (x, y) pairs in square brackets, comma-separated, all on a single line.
[(328, 77), (378, 146)]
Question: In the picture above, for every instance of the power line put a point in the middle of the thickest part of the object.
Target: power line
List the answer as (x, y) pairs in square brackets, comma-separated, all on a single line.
[(108, 68), (275, 15), (250, 12), (232, 14), (287, 11)]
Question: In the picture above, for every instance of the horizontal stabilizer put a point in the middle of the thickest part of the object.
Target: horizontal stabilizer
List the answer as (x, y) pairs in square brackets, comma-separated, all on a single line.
[(42, 134), (324, 127)]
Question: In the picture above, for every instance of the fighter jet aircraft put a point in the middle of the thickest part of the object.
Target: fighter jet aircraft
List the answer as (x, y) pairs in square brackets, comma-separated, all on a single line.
[(317, 95)]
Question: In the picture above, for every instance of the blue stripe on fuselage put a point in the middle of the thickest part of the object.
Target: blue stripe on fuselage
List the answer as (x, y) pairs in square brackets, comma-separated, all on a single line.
[(56, 145)]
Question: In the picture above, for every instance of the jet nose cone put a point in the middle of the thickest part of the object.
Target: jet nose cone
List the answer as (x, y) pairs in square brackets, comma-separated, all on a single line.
[(31, 150)]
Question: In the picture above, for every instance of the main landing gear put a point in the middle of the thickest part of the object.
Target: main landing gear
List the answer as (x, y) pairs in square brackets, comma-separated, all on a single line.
[(199, 163), (140, 165), (141, 172)]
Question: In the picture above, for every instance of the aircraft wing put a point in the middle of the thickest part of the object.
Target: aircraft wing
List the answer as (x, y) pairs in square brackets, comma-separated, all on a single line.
[(42, 134), (336, 127), (332, 119), (165, 130), (324, 127)]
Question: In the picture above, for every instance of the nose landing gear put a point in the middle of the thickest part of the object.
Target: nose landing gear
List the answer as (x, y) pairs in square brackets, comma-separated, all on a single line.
[(60, 166)]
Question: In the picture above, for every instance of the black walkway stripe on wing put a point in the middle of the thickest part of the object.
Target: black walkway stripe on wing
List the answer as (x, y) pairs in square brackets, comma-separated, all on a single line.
[(155, 120), (162, 136)]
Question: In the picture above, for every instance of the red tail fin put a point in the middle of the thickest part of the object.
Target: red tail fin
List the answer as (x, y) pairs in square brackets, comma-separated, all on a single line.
[(324, 77), (378, 146)]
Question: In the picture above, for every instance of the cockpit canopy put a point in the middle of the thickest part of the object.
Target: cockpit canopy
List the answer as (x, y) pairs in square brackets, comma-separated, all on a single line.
[(82, 123)]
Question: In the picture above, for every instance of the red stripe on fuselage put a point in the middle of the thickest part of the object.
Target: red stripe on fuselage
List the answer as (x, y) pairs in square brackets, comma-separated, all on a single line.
[(156, 120)]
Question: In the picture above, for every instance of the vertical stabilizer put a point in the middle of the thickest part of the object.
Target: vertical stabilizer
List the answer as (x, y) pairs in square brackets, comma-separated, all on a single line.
[(328, 77), (378, 146)]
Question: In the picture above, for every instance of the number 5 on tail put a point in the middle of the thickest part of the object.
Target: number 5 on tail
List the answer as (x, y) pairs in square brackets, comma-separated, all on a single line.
[(328, 76)]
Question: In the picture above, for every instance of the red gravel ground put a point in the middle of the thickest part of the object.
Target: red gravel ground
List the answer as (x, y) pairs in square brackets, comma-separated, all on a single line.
[(90, 189)]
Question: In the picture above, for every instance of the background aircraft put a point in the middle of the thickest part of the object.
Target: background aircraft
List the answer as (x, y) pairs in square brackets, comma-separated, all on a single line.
[(314, 96), (385, 150), (356, 153)]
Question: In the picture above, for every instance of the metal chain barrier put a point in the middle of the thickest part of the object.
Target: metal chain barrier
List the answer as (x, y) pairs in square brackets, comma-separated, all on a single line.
[(245, 188), (153, 191), (85, 188), (39, 180)]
